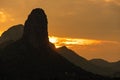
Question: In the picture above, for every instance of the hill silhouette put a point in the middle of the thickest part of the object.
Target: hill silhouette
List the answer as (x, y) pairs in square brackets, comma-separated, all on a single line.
[(113, 67), (104, 63), (14, 33), (97, 66), (80, 61), (11, 35), (33, 58)]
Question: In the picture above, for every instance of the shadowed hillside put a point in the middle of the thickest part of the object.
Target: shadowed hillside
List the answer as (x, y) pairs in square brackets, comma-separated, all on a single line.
[(32, 58), (11, 35), (97, 66), (113, 67), (14, 33)]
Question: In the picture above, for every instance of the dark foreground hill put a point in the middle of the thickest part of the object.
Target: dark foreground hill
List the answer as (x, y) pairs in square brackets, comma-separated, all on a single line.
[(33, 58)]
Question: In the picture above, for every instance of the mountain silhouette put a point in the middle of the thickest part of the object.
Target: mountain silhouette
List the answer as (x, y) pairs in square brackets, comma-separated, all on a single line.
[(33, 58), (113, 67), (100, 62), (78, 60), (35, 31), (14, 33), (103, 63), (95, 66), (11, 35)]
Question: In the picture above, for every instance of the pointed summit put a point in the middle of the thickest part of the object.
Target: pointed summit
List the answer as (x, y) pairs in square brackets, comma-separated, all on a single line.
[(35, 29)]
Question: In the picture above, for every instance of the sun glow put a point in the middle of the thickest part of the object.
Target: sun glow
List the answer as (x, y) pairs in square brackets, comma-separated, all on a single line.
[(53, 39), (60, 41)]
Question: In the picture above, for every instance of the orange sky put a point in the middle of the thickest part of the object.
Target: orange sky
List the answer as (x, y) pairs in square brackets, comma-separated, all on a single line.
[(74, 19), (89, 48)]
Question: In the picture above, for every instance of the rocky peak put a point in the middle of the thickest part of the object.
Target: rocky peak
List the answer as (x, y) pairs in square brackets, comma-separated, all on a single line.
[(35, 28)]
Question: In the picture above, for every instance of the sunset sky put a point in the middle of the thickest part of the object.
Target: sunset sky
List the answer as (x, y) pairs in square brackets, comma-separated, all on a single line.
[(90, 27)]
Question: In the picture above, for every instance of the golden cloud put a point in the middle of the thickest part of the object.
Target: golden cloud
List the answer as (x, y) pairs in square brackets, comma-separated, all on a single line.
[(64, 41)]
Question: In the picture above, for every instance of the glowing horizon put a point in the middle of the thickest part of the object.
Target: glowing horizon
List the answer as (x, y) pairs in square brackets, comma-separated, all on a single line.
[(64, 41), (89, 48)]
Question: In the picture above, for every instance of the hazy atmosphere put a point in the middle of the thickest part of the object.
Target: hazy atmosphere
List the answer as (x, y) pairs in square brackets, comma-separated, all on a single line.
[(73, 20)]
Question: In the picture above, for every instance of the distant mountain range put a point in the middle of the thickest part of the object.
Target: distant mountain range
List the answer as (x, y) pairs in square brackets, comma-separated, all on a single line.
[(113, 67), (106, 64), (27, 54), (98, 66)]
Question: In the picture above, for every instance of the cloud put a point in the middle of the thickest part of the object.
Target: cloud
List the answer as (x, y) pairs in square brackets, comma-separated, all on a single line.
[(89, 48), (65, 41)]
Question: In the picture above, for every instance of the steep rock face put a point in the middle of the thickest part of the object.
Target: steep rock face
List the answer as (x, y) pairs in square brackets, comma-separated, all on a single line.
[(35, 29)]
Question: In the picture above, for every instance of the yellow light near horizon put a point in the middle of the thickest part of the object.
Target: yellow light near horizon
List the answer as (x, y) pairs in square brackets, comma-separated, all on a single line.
[(53, 39), (1, 33), (59, 41), (81, 41)]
